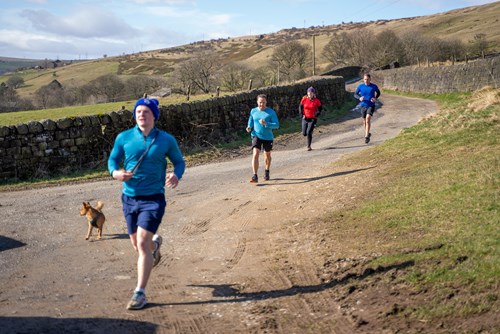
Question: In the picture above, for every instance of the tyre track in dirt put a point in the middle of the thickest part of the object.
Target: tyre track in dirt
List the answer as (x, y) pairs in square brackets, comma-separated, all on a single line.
[(231, 262)]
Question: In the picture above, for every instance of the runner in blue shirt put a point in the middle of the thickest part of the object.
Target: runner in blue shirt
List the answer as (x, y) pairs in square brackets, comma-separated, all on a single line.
[(367, 93), (142, 151), (261, 123)]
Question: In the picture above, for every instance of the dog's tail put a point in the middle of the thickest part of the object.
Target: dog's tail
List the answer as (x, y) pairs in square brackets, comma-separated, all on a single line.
[(99, 205)]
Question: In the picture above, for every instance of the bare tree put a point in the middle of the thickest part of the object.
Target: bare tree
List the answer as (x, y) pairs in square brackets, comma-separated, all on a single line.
[(264, 76), (291, 59), (199, 72), (82, 94), (109, 86), (10, 100), (180, 83), (432, 49), (451, 49), (350, 48), (49, 96), (15, 81), (415, 46), (478, 45), (361, 41), (419, 48), (234, 77), (363, 48), (386, 49), (136, 86), (337, 50)]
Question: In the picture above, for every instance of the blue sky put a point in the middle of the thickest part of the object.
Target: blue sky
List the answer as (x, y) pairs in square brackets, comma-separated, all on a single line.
[(66, 29)]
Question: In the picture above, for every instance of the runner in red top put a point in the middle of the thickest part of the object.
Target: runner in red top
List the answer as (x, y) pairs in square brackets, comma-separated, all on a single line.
[(309, 108)]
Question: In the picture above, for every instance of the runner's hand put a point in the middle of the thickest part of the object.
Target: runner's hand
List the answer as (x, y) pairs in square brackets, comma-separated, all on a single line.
[(172, 181), (122, 175)]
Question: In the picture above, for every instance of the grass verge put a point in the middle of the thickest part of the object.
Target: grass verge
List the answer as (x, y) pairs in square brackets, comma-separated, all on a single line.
[(435, 202)]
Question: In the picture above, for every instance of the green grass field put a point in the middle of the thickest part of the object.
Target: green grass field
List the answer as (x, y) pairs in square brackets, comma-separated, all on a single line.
[(21, 117)]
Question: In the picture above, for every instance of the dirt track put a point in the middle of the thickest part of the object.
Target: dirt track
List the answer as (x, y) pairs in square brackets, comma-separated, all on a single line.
[(233, 260)]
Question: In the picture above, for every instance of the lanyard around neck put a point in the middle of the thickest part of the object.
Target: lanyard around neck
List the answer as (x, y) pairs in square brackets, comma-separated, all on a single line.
[(144, 153)]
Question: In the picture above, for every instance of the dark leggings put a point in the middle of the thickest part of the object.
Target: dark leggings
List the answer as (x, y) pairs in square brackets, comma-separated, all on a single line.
[(307, 129)]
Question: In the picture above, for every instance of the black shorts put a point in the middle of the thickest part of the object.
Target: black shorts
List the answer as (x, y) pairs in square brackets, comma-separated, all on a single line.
[(261, 143), (367, 111)]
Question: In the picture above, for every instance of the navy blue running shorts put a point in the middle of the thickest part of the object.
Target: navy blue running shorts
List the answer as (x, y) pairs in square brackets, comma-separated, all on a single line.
[(144, 211)]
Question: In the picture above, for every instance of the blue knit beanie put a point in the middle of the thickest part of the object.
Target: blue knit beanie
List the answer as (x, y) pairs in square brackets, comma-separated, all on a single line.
[(311, 89), (151, 104)]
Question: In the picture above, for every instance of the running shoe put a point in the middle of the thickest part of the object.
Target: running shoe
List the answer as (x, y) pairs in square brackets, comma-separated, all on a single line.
[(266, 175), (309, 148), (254, 179), (156, 253), (138, 301), (367, 140)]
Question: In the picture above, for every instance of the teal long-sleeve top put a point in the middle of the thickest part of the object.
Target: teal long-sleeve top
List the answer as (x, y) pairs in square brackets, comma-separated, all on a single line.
[(150, 176), (259, 130)]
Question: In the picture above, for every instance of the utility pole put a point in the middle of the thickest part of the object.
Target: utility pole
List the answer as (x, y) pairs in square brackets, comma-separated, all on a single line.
[(314, 55), (278, 74)]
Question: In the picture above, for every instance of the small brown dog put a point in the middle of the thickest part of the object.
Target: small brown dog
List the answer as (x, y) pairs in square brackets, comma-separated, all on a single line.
[(95, 218)]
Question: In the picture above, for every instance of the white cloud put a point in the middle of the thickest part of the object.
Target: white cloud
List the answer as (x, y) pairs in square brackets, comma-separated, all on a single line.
[(34, 42), (87, 22)]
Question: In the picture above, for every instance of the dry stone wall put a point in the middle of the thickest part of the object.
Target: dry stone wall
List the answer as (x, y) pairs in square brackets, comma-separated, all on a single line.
[(442, 79), (54, 147)]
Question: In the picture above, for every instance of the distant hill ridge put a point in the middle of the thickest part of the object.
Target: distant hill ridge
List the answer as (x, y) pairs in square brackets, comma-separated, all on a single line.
[(253, 51), (9, 64)]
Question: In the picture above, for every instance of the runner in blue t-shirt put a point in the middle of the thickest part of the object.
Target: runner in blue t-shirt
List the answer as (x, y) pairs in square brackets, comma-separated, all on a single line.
[(261, 123), (367, 93)]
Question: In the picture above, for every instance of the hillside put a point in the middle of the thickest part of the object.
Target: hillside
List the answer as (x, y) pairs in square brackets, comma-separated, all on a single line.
[(461, 24), (11, 64), (8, 64)]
